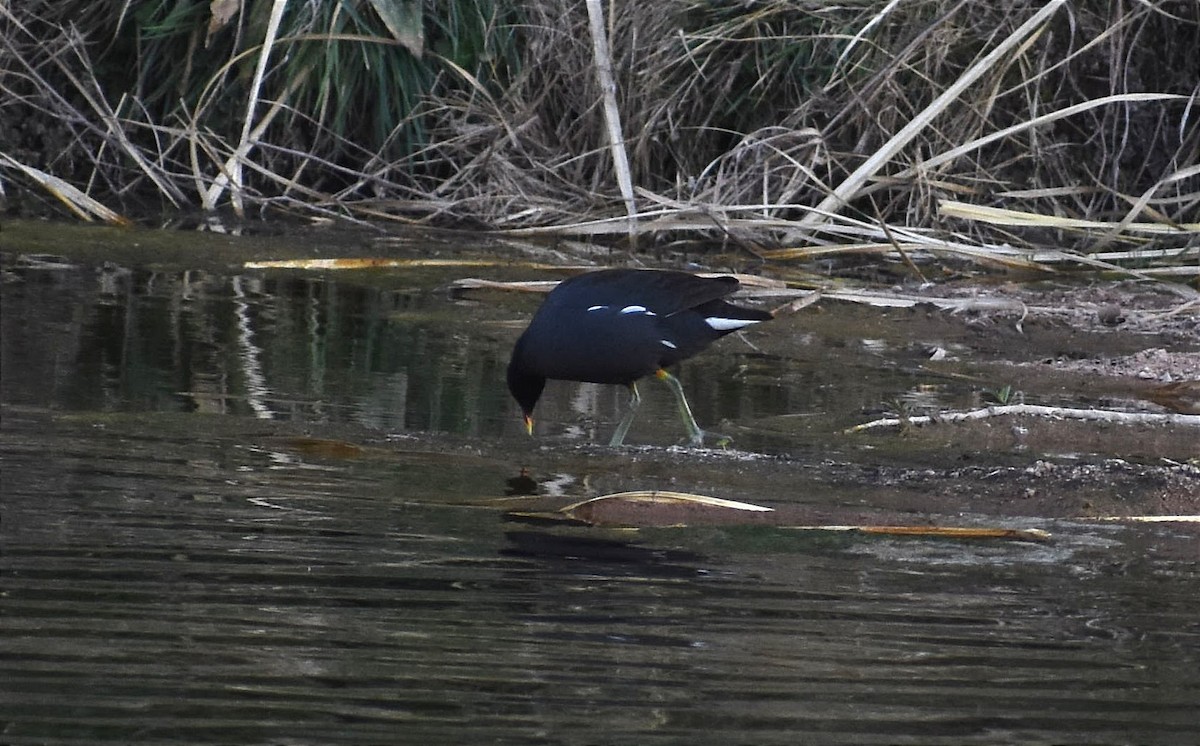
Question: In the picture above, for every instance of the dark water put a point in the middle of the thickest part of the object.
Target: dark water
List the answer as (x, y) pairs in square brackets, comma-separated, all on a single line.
[(181, 566)]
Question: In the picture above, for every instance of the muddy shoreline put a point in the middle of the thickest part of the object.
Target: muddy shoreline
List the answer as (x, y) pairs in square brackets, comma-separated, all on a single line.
[(1129, 346)]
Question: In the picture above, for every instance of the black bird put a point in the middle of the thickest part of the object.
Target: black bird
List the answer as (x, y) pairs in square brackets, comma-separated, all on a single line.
[(619, 325)]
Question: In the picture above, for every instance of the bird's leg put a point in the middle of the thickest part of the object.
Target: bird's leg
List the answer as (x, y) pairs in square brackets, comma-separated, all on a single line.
[(685, 412), (634, 400)]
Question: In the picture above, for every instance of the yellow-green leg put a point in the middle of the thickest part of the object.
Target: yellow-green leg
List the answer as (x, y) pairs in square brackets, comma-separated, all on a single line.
[(695, 434), (685, 412), (634, 400)]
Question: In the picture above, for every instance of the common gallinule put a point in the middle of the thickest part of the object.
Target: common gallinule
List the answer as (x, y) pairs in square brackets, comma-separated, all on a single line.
[(619, 325)]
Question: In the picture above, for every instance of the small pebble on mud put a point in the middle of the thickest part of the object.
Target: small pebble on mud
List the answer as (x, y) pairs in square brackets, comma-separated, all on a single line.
[(1110, 315)]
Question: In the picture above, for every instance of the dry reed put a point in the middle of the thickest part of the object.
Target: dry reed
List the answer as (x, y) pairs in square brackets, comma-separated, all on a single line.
[(901, 129)]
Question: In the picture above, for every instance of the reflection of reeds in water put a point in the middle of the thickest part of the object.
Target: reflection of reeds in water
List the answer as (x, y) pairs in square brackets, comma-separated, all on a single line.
[(347, 355), (305, 350), (739, 119)]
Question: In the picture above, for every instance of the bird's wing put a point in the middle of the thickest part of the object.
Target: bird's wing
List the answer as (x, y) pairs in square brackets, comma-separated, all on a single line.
[(663, 292), (672, 292)]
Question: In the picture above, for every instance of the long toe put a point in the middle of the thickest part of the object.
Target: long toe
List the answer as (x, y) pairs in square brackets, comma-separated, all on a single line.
[(718, 440)]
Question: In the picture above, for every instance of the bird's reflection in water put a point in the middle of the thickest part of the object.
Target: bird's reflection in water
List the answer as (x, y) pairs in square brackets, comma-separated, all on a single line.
[(524, 485), (602, 556), (520, 485)]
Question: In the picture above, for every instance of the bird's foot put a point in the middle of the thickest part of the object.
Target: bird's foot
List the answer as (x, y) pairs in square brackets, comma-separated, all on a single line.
[(722, 441), (718, 440)]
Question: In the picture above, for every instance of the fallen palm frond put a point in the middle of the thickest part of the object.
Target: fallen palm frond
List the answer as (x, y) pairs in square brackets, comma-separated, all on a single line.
[(1033, 410)]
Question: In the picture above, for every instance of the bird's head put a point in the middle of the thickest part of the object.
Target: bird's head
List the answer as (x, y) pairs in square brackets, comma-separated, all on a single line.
[(526, 388)]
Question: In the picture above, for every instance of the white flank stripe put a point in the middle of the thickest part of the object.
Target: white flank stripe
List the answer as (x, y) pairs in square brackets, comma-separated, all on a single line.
[(638, 309), (597, 308), (668, 344), (724, 325)]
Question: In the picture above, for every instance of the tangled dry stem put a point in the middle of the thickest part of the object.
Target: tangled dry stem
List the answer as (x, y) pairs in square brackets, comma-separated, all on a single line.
[(749, 115)]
